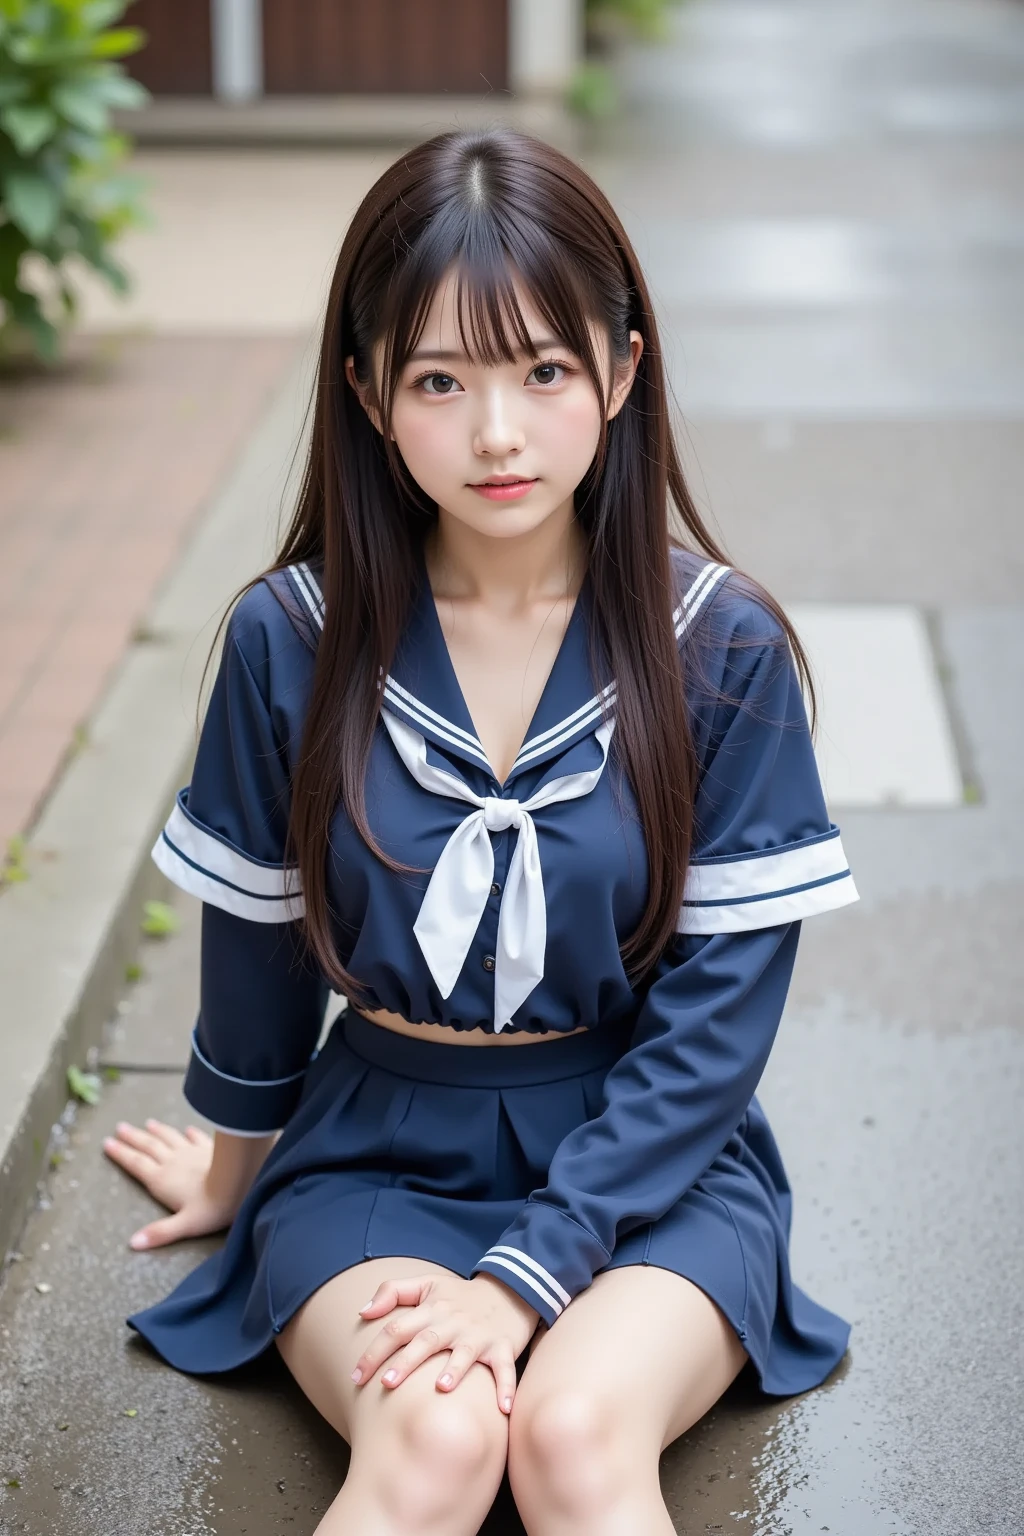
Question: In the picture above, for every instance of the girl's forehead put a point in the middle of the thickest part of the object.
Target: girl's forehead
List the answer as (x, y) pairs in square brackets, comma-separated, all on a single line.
[(445, 325)]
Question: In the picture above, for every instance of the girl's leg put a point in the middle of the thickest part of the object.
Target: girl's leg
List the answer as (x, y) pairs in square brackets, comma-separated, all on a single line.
[(633, 1361), (424, 1462)]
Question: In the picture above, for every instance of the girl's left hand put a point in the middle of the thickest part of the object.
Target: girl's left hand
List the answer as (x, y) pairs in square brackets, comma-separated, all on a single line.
[(478, 1320)]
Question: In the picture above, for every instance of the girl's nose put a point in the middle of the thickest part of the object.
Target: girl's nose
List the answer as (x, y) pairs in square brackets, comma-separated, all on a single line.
[(498, 430)]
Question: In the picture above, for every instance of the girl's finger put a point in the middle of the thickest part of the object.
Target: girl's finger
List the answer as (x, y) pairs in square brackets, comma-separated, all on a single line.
[(169, 1229), (425, 1343), (395, 1293), (197, 1137), (168, 1134), (393, 1336), (139, 1164), (141, 1140), (503, 1369), (462, 1357)]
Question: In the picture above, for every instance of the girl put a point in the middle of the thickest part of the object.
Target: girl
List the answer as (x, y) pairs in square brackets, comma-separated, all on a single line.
[(530, 782)]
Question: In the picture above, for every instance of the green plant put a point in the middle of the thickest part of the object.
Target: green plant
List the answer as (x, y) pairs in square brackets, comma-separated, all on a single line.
[(593, 91), (641, 18), (159, 920), (12, 867), (62, 194)]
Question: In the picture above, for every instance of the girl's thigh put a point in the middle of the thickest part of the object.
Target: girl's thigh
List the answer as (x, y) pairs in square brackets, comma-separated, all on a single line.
[(645, 1350), (325, 1338)]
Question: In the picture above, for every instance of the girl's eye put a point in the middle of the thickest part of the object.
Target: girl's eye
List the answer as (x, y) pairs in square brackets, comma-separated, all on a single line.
[(549, 373), (439, 384)]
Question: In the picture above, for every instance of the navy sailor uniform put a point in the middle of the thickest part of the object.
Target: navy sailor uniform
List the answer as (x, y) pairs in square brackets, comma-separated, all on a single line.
[(639, 1140)]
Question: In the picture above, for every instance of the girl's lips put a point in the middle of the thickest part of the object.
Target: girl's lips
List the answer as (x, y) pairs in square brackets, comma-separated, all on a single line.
[(508, 490)]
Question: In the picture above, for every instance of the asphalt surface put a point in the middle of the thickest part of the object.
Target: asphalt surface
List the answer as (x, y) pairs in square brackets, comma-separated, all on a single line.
[(830, 198)]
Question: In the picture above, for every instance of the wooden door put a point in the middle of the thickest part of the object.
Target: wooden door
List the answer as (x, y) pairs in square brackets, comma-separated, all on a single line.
[(177, 59), (385, 46)]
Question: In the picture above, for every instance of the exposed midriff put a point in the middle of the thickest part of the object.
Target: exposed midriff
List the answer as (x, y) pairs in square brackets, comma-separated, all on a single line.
[(449, 1036)]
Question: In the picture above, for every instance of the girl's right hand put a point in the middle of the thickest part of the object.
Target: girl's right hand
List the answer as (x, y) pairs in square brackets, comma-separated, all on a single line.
[(175, 1168)]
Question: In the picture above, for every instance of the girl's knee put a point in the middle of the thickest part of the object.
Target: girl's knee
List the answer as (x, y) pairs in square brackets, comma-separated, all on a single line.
[(568, 1441), (449, 1434), (434, 1459)]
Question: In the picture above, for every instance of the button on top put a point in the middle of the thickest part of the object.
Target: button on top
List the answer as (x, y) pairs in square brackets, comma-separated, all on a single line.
[(495, 888), (488, 962)]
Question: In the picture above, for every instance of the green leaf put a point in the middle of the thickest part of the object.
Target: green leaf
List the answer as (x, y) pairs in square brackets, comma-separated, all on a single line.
[(120, 91), (97, 14), (13, 869), (12, 1482), (130, 1413), (113, 45), (84, 1085), (15, 89), (80, 103), (111, 1075), (29, 127), (32, 202), (159, 920), (133, 971)]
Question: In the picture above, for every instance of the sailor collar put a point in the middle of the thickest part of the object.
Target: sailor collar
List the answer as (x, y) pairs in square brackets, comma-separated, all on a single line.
[(422, 703), (423, 690)]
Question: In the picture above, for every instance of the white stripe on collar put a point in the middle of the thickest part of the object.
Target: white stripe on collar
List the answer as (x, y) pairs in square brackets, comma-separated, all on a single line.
[(700, 590), (401, 698), (704, 583)]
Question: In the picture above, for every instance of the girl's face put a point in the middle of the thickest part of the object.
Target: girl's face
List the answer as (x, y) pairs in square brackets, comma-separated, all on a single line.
[(501, 448)]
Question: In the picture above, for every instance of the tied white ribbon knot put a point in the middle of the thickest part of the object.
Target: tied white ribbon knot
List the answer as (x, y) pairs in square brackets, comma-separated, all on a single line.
[(461, 883)]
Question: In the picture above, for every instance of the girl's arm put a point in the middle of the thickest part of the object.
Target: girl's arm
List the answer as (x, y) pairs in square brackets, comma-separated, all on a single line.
[(766, 857), (261, 1000)]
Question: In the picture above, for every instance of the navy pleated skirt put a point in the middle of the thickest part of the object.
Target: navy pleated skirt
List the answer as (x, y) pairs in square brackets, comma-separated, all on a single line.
[(409, 1147)]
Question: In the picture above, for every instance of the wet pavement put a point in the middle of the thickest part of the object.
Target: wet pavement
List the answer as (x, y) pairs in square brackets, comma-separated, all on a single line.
[(831, 200)]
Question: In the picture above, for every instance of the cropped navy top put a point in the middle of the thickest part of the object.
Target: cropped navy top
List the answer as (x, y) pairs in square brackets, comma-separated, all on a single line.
[(525, 893)]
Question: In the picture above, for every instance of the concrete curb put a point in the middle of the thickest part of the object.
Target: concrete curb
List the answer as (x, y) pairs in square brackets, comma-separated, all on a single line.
[(68, 931), (338, 121)]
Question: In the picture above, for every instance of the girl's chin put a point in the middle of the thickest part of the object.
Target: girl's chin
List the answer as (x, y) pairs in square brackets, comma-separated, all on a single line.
[(502, 520)]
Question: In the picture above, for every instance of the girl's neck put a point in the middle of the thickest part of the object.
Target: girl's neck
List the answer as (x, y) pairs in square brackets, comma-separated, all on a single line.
[(547, 563)]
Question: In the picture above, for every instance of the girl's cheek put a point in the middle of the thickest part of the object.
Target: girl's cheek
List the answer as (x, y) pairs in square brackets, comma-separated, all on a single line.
[(425, 440)]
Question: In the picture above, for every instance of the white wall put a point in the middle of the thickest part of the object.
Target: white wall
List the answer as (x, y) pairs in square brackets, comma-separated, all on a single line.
[(545, 43)]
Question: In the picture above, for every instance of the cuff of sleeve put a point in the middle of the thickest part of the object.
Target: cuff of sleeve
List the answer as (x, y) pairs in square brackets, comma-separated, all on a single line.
[(205, 864), (236, 1104), (545, 1257)]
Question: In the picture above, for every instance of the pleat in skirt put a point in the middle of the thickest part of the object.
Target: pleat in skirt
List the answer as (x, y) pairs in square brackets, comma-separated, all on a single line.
[(404, 1146)]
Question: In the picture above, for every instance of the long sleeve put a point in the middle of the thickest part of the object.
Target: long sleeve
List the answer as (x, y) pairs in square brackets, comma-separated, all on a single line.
[(765, 856), (672, 1101), (262, 1002)]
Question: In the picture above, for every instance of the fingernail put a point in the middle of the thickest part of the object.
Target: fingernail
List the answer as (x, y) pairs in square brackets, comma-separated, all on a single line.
[(445, 1380), (357, 1374), (138, 1240), (108, 1141), (390, 1376), (508, 1405), (366, 1305)]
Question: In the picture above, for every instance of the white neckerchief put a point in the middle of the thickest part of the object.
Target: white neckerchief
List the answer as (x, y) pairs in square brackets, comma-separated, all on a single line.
[(461, 883)]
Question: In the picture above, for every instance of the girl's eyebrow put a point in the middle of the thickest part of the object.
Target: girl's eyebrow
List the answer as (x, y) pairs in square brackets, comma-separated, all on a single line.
[(537, 344)]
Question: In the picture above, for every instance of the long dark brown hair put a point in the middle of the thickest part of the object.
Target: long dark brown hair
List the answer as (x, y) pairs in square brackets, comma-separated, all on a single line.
[(491, 208)]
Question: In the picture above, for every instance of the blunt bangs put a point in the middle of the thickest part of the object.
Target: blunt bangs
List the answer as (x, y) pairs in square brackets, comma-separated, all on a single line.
[(484, 254)]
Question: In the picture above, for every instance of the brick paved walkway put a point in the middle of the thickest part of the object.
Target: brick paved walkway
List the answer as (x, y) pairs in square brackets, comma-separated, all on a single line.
[(103, 471)]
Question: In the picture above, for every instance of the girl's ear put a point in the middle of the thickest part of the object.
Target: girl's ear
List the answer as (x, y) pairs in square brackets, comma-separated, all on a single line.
[(625, 373), (362, 393)]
